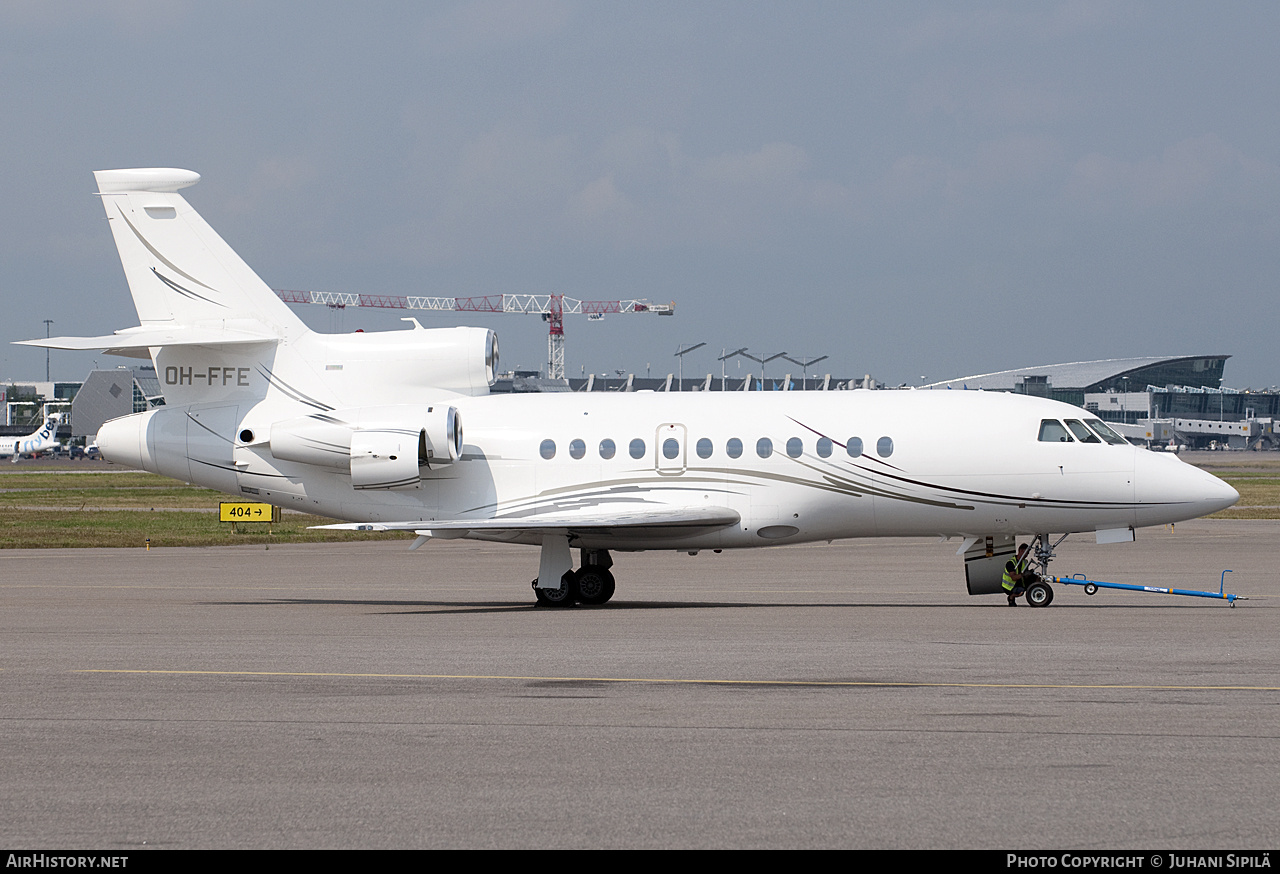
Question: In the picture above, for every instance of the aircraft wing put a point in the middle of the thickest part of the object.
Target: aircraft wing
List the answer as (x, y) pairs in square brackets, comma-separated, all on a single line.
[(135, 342), (635, 521)]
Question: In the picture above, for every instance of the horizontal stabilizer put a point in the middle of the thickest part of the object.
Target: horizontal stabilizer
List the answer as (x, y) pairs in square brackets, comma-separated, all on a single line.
[(157, 179), (137, 341), (704, 517)]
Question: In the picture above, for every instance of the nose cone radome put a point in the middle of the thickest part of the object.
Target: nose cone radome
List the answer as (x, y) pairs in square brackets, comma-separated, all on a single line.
[(1170, 490)]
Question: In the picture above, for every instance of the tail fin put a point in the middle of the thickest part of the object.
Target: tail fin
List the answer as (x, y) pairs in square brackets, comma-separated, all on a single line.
[(180, 272)]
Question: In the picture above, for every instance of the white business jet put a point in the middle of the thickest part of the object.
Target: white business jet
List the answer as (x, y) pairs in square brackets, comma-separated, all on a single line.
[(368, 427), (43, 439)]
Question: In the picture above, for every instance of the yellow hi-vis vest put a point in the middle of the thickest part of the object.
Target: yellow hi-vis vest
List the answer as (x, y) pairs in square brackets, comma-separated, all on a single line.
[(1018, 567)]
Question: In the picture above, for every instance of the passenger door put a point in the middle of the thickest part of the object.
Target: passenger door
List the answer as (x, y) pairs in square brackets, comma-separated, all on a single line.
[(670, 446)]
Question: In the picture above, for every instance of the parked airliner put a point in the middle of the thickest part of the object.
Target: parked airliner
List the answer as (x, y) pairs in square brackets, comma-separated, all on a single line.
[(369, 428), (43, 439)]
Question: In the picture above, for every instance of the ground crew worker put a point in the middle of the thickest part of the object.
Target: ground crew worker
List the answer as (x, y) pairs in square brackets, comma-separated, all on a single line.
[(1015, 574)]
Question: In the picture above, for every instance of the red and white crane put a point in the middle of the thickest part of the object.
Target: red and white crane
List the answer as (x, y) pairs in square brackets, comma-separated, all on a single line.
[(552, 307)]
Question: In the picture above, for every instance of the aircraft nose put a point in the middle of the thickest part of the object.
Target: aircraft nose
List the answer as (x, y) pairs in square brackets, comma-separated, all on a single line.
[(1170, 490)]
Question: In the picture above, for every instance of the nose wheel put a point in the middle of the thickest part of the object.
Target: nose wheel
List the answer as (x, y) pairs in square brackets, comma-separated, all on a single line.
[(1039, 594)]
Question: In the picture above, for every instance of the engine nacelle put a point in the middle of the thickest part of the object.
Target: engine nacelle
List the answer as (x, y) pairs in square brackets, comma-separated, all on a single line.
[(381, 367), (387, 458), (381, 447)]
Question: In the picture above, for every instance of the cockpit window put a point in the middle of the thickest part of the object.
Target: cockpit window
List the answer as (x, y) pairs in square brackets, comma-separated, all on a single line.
[(1083, 434), (1051, 431), (1106, 433)]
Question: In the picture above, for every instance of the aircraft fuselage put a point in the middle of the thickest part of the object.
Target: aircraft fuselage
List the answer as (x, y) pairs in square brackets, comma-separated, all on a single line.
[(793, 466)]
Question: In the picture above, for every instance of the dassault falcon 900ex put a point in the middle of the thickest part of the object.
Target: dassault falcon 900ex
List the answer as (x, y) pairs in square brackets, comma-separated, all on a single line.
[(368, 427)]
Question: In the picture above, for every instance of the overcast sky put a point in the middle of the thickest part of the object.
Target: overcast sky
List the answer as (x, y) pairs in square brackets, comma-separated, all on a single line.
[(914, 189)]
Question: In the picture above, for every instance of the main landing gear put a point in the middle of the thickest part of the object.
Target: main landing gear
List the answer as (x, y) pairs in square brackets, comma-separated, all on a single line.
[(592, 584)]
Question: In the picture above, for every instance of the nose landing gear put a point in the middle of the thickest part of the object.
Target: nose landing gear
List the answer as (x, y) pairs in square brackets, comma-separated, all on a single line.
[(1039, 593)]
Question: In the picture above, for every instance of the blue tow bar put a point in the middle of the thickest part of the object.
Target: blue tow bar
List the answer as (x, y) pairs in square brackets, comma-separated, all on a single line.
[(1092, 586)]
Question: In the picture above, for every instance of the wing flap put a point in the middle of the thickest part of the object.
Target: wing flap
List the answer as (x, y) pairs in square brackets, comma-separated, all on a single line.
[(575, 523)]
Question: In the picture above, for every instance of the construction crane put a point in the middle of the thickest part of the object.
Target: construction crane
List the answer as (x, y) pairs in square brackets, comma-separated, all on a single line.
[(552, 307)]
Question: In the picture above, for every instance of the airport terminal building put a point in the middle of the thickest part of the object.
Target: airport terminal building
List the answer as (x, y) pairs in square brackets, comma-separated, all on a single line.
[(1179, 400)]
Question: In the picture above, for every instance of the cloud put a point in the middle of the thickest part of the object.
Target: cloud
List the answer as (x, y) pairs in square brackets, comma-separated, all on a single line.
[(487, 25), (636, 190), (1018, 23), (992, 101), (913, 178), (134, 19), (1018, 162), (599, 198), (1015, 160), (955, 25), (770, 165), (1193, 171), (269, 178)]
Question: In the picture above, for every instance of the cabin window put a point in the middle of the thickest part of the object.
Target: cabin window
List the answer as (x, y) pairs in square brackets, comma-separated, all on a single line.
[(1051, 431), (795, 446), (764, 447), (704, 448), (670, 448), (607, 448), (824, 447), (1106, 433), (1083, 434), (637, 448), (548, 449), (853, 447), (884, 447), (733, 448), (577, 448)]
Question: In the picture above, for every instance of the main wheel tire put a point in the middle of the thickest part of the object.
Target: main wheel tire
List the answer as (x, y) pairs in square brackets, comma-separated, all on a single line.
[(1039, 595), (595, 585), (561, 597)]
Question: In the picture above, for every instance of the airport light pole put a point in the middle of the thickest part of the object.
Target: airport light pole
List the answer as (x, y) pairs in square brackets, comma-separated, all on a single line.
[(763, 361), (806, 363), (47, 323), (680, 353), (723, 356)]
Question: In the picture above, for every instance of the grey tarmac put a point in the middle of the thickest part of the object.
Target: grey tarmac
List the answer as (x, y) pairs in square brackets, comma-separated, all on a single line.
[(843, 695)]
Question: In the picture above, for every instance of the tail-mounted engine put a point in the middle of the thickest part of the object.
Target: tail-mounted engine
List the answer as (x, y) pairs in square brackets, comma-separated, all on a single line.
[(381, 447), (397, 364)]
